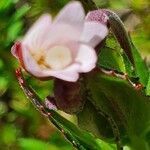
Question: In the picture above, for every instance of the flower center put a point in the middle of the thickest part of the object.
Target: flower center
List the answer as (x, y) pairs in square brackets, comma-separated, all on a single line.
[(58, 57)]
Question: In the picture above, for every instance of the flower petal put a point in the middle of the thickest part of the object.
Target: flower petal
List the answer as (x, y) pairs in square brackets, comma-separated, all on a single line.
[(62, 33), (36, 36), (15, 50), (86, 57), (70, 73), (30, 65), (93, 33), (72, 13)]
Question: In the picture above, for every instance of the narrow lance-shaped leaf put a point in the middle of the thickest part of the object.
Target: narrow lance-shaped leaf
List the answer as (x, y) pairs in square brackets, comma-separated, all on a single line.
[(140, 66), (79, 138), (120, 33)]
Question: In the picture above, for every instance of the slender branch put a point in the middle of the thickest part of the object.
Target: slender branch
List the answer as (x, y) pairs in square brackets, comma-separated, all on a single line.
[(124, 76)]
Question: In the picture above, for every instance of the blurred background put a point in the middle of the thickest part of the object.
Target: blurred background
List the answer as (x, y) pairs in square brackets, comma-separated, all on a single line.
[(21, 126)]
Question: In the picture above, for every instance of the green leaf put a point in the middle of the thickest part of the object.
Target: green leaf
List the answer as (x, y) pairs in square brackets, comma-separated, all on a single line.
[(111, 59), (128, 66), (127, 45), (82, 140), (120, 33), (90, 120), (140, 66), (57, 139), (117, 58), (5, 4), (148, 87), (129, 108), (106, 146), (14, 30), (20, 12), (34, 144)]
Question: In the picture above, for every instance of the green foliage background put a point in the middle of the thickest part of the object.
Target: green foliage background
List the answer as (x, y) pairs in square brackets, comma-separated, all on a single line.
[(21, 126)]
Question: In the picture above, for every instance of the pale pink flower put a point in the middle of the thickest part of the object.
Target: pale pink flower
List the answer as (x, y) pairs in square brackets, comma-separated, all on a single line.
[(61, 48)]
